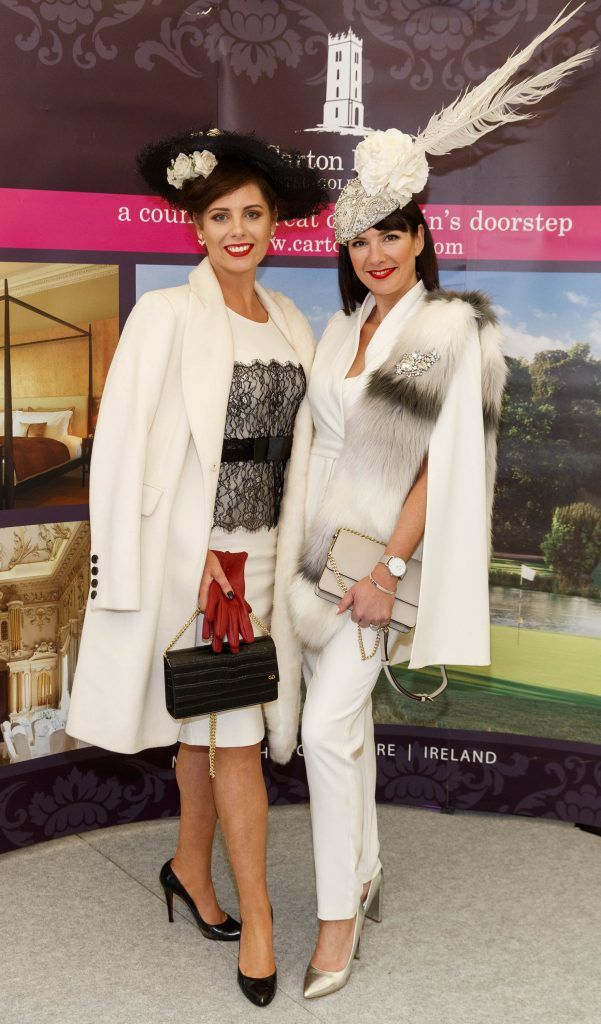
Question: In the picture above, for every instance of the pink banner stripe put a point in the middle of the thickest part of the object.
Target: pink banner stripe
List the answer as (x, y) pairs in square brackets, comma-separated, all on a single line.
[(106, 222)]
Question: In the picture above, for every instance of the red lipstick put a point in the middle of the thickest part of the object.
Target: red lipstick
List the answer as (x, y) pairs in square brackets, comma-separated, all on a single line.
[(240, 250), (381, 274)]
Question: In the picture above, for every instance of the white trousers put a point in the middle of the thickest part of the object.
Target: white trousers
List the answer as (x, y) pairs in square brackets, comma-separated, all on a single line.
[(340, 757)]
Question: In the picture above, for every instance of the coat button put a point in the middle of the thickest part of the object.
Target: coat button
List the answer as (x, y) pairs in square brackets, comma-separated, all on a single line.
[(214, 467), (94, 571), (94, 558), (93, 594)]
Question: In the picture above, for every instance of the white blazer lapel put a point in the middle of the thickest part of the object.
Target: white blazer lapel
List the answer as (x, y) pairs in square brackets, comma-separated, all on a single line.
[(207, 363)]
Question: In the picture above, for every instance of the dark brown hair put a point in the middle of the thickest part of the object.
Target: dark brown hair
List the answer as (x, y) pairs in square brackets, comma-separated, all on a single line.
[(353, 291), (198, 195)]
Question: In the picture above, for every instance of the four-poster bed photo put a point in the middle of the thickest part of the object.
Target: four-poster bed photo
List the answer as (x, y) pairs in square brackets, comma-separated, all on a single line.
[(43, 437)]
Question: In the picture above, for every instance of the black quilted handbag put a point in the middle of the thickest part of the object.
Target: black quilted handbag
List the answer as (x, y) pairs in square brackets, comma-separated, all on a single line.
[(200, 682)]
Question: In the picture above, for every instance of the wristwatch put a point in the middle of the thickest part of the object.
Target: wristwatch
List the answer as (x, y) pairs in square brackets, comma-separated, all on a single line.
[(396, 566)]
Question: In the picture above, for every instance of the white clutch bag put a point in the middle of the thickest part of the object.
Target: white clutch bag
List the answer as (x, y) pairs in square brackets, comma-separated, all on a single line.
[(352, 556)]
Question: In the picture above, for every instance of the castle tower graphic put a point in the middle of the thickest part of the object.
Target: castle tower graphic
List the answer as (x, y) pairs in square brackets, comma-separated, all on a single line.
[(343, 107)]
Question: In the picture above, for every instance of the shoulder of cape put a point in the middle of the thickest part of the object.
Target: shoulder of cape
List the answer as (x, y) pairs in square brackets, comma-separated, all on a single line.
[(479, 304), (429, 347), (340, 317), (338, 325)]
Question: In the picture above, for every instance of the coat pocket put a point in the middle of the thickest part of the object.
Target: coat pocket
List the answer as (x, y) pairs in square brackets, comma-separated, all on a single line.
[(150, 498)]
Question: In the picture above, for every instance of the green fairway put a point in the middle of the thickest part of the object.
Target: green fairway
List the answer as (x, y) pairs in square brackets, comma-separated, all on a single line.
[(547, 685), (552, 661)]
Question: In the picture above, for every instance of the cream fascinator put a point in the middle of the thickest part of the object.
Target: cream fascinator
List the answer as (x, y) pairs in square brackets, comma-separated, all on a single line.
[(392, 166)]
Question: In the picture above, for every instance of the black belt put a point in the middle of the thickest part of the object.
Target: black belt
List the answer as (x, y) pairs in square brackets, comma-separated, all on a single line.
[(256, 449)]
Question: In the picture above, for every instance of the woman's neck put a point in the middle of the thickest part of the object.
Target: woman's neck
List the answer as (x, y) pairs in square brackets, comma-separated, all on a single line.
[(239, 294), (384, 303)]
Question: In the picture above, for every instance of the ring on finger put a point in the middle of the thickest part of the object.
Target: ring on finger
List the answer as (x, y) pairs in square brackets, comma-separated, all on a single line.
[(375, 626)]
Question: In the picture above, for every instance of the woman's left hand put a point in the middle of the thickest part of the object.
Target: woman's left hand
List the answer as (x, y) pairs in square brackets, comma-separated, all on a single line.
[(370, 606)]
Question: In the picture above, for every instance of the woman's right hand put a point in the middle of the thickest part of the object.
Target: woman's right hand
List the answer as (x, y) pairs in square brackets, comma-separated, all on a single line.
[(213, 571)]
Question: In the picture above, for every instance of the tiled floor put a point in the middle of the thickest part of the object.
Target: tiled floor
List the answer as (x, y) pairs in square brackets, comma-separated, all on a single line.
[(487, 920)]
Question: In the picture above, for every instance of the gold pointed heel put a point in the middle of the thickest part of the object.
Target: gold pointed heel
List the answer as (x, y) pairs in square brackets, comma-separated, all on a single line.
[(373, 904), (323, 983)]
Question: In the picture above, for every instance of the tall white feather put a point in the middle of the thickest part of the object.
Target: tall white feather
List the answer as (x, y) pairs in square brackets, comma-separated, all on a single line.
[(493, 103)]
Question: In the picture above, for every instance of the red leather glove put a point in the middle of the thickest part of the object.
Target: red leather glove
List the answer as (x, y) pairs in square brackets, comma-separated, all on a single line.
[(228, 616)]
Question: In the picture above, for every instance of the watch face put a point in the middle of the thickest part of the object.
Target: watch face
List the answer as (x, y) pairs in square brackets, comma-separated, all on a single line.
[(397, 566)]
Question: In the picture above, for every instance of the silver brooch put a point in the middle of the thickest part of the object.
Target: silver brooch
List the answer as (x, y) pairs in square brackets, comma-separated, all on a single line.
[(413, 364)]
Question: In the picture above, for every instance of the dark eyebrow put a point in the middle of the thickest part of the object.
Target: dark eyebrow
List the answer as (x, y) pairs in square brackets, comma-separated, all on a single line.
[(226, 209), (387, 231)]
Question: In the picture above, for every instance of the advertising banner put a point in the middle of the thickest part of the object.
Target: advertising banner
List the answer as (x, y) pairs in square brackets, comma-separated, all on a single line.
[(517, 216)]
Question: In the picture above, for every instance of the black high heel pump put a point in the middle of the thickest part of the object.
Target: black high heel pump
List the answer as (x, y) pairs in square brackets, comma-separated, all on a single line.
[(227, 931), (259, 991)]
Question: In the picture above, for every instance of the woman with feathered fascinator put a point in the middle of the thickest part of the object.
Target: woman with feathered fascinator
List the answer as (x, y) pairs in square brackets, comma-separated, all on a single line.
[(406, 395)]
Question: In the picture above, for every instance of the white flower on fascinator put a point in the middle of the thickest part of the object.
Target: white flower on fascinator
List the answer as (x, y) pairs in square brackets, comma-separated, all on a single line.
[(391, 161), (187, 167), (409, 175), (392, 167)]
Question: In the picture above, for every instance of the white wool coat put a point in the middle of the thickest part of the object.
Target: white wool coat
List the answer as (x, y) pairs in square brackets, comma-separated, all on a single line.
[(153, 481)]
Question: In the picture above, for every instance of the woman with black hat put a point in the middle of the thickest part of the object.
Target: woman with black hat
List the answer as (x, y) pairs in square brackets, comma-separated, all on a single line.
[(199, 369)]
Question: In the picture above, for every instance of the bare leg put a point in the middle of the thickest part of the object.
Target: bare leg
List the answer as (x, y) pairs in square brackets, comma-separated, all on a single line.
[(333, 946), (192, 860), (241, 801)]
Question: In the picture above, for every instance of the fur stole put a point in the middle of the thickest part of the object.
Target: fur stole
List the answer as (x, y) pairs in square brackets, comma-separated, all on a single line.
[(388, 435)]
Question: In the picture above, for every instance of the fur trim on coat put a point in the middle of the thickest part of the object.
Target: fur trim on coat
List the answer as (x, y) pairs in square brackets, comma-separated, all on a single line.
[(388, 435)]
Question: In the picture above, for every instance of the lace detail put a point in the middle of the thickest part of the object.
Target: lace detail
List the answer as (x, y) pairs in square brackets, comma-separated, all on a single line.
[(263, 402)]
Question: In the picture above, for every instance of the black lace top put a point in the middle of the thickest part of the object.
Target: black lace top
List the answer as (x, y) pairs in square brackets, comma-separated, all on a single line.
[(263, 402)]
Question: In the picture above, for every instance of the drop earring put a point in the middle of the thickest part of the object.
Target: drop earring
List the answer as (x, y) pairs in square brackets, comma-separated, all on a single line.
[(201, 240)]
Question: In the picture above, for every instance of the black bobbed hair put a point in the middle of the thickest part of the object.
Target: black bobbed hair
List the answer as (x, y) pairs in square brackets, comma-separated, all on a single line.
[(298, 188)]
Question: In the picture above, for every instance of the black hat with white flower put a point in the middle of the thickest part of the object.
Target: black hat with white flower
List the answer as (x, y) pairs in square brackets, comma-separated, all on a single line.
[(170, 165)]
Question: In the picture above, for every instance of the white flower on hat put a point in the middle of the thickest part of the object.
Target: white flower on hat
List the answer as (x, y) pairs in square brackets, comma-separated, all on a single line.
[(391, 161), (204, 162), (187, 167), (180, 170)]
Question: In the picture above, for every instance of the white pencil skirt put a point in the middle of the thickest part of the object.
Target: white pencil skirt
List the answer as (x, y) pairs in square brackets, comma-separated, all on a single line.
[(243, 727)]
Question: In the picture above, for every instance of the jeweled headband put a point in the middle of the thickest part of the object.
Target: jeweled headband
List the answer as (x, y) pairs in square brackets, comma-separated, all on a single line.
[(392, 166)]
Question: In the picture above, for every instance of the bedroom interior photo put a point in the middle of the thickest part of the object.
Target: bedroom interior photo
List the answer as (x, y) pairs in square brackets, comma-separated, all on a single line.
[(60, 331)]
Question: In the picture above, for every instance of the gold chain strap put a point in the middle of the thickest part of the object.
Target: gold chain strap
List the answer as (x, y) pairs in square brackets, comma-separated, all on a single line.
[(212, 743), (213, 715), (261, 625), (194, 615), (333, 566), (356, 533)]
